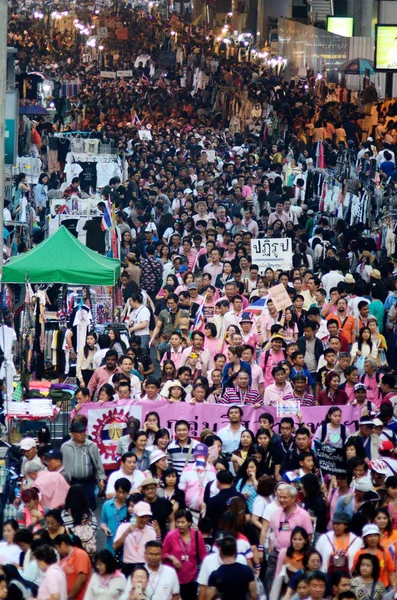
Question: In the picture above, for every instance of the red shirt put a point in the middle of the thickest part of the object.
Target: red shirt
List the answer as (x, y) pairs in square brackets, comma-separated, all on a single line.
[(77, 562)]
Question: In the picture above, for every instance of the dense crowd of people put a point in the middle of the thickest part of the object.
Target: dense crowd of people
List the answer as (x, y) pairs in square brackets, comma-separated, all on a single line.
[(234, 154)]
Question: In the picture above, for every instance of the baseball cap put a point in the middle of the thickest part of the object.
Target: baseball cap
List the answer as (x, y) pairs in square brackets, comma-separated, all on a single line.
[(188, 191), (370, 529), (200, 450), (386, 446), (53, 453), (192, 286), (27, 443), (360, 386), (378, 423), (77, 427), (142, 509)]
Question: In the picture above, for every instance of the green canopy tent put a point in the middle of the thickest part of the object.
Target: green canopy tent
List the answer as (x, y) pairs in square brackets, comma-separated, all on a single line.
[(62, 258)]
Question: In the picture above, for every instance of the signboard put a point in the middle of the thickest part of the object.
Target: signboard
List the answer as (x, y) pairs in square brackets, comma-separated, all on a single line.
[(124, 73), (11, 129), (341, 25), (108, 74), (288, 408), (102, 32), (270, 252), (145, 135), (167, 59), (280, 297), (107, 421), (122, 33), (386, 47), (330, 460)]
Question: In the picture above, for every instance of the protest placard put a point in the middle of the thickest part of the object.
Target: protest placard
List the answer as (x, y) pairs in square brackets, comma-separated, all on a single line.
[(280, 297), (330, 460), (288, 408), (270, 252)]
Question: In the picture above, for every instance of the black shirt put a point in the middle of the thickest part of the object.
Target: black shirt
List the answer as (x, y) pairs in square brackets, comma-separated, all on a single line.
[(95, 235), (161, 510), (216, 505), (232, 581)]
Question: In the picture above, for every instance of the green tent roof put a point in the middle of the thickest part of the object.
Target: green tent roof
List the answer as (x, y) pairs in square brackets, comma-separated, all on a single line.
[(62, 258)]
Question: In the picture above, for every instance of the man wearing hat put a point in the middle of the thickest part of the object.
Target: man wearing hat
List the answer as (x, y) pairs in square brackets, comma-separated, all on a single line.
[(132, 538), (161, 508), (129, 471), (82, 462), (360, 399), (53, 461), (28, 450), (369, 439), (194, 479)]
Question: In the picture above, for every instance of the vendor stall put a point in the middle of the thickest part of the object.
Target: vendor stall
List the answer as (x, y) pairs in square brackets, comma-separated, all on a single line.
[(60, 259)]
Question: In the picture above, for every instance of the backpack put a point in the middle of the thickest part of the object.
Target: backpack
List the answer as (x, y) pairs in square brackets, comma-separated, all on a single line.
[(87, 536)]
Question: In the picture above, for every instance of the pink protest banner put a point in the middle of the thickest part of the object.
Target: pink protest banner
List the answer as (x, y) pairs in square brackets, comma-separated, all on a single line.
[(107, 422)]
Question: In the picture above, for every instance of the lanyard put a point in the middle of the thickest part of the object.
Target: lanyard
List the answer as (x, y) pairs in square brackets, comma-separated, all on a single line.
[(185, 547), (151, 581)]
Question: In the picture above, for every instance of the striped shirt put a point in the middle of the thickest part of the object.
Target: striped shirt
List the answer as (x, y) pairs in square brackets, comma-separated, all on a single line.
[(237, 396), (82, 461), (178, 455), (306, 400)]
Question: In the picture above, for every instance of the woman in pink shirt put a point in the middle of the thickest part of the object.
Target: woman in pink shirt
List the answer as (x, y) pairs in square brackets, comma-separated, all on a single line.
[(184, 549), (53, 584), (213, 344)]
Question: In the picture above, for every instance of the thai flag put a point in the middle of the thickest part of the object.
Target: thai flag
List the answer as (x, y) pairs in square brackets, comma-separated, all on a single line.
[(135, 120), (199, 322), (107, 216)]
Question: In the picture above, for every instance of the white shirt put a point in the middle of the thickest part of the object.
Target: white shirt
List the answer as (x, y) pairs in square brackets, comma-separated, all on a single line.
[(211, 563), (230, 439), (136, 479), (98, 357), (331, 280), (137, 316), (162, 585), (9, 553)]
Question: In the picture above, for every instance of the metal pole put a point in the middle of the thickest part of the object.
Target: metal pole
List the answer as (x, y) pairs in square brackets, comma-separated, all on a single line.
[(3, 88)]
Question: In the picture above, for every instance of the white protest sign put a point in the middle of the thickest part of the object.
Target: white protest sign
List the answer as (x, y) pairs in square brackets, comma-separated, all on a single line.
[(108, 74), (271, 252), (102, 32), (124, 73), (280, 297), (288, 408), (145, 135)]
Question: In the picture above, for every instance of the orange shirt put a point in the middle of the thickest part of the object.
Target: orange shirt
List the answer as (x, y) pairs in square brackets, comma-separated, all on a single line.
[(77, 562), (348, 326), (385, 561)]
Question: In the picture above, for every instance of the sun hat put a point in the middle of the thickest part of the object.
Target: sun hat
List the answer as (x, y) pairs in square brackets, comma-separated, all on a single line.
[(156, 455)]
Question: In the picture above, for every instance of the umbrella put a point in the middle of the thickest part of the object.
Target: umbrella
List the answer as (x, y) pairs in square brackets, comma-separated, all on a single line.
[(357, 66), (258, 306), (33, 109)]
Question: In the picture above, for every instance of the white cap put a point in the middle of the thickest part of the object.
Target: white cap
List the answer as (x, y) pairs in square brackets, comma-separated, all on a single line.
[(370, 529), (27, 443)]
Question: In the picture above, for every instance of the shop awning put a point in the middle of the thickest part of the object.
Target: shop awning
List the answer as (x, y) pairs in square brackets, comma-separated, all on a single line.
[(62, 258)]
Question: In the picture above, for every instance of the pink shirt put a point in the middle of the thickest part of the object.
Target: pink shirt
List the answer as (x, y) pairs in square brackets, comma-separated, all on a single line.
[(373, 391), (193, 484), (173, 545), (257, 376), (134, 543), (53, 582), (272, 361), (283, 526), (274, 394), (99, 378), (176, 357)]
